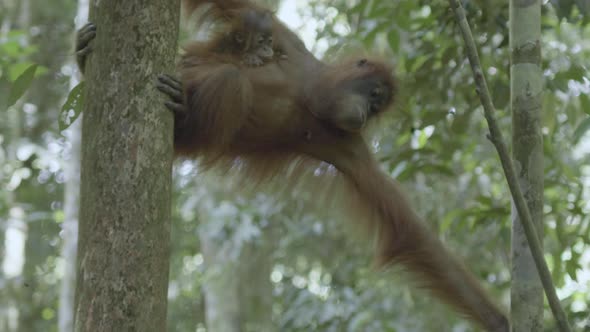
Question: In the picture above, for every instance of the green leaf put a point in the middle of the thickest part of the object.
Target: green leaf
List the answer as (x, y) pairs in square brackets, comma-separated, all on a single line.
[(571, 267), (563, 8), (576, 73), (422, 139), (21, 84), (17, 69), (448, 220), (11, 48), (585, 103), (418, 62), (358, 8), (394, 40), (581, 130), (72, 107)]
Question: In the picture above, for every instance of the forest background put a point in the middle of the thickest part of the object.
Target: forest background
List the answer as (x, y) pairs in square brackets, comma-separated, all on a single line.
[(281, 266)]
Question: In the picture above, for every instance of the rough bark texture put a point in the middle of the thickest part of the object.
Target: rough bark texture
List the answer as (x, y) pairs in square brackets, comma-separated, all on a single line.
[(123, 252), (526, 88)]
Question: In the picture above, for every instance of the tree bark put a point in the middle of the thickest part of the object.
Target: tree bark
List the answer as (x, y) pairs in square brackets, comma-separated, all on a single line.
[(496, 137), (238, 290), (221, 285), (526, 83), (237, 287), (255, 286), (124, 232)]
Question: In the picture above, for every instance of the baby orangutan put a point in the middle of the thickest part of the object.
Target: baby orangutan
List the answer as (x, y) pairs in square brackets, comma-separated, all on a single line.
[(248, 40), (254, 35)]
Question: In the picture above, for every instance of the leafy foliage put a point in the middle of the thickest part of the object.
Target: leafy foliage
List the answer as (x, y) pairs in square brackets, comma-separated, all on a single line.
[(435, 144), (72, 108), (21, 84)]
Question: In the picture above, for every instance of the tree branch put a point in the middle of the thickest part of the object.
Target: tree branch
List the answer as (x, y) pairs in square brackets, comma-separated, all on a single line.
[(496, 137)]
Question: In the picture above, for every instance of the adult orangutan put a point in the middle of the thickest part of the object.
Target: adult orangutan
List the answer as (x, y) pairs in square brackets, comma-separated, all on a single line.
[(286, 116)]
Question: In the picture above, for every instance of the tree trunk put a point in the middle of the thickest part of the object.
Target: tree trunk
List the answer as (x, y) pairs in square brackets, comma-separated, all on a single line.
[(238, 290), (237, 287), (123, 253), (220, 287), (526, 87), (255, 286)]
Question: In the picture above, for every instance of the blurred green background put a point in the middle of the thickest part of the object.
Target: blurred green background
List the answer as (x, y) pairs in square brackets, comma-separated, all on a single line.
[(278, 265)]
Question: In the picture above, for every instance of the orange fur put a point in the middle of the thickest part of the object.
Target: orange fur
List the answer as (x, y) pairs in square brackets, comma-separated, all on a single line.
[(286, 117), (241, 35)]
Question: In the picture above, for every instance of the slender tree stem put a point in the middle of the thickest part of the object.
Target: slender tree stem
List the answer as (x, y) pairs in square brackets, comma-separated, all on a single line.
[(496, 137)]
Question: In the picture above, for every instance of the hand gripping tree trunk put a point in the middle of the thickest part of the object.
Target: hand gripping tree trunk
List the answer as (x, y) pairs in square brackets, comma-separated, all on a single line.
[(123, 252)]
